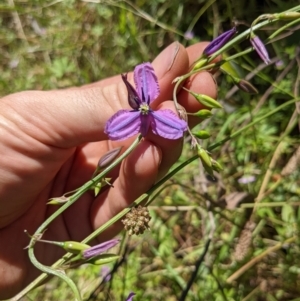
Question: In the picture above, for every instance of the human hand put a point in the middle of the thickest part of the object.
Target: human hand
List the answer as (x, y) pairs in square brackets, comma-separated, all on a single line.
[(51, 142)]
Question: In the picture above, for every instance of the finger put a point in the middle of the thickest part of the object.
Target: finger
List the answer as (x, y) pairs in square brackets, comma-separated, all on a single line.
[(67, 118), (137, 174)]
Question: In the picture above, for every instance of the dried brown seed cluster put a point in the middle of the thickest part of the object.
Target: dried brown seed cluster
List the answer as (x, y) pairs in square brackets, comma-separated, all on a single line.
[(137, 220)]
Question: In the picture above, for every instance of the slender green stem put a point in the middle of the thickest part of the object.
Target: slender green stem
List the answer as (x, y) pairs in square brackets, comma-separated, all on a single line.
[(72, 199)]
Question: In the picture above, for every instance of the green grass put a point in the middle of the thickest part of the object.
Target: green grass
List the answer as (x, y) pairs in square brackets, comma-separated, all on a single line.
[(56, 44)]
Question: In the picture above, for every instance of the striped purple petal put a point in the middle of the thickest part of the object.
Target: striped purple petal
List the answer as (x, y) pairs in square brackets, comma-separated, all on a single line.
[(219, 42), (260, 48), (100, 248), (146, 82), (167, 124), (123, 124)]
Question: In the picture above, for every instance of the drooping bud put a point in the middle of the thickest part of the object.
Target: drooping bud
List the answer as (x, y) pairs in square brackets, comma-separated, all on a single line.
[(203, 114), (245, 86), (99, 249), (219, 42), (202, 134), (205, 100), (260, 48)]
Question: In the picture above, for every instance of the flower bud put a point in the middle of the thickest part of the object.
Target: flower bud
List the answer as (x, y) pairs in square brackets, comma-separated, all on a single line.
[(203, 114), (260, 48), (99, 249), (201, 134), (219, 42), (109, 157), (245, 86)]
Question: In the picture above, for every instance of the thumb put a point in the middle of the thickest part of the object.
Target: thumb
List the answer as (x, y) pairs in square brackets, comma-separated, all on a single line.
[(70, 117)]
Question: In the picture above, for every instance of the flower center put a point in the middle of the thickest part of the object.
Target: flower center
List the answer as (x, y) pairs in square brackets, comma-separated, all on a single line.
[(144, 108)]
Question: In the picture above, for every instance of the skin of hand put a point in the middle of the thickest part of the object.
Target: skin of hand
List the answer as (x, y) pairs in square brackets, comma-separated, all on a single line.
[(51, 142)]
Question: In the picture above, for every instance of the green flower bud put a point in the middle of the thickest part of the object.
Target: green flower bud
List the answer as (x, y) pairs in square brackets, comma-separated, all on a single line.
[(203, 114), (201, 134)]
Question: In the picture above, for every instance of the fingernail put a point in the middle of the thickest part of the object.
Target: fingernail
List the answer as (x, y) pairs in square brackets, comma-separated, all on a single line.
[(165, 60)]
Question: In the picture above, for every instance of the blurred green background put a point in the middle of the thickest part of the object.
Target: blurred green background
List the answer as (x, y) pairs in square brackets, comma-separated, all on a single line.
[(57, 44)]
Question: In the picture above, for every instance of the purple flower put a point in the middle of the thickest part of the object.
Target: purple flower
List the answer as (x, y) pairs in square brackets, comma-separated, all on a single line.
[(105, 273), (219, 42), (246, 179), (130, 296), (127, 123), (260, 48), (99, 249), (189, 35)]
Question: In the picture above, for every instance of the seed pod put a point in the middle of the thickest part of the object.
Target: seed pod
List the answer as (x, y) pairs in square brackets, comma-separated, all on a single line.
[(200, 63), (287, 15), (74, 246), (203, 114), (201, 134), (206, 100), (216, 165), (103, 259), (206, 161)]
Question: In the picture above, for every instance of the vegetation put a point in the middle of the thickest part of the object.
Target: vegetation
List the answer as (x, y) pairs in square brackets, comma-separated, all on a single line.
[(237, 234)]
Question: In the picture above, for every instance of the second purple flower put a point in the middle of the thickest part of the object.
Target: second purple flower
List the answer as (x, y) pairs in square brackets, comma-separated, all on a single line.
[(127, 123)]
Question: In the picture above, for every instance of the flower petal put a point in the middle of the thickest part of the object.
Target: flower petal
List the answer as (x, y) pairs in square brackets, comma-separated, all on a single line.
[(145, 123), (123, 124), (146, 82), (167, 124)]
